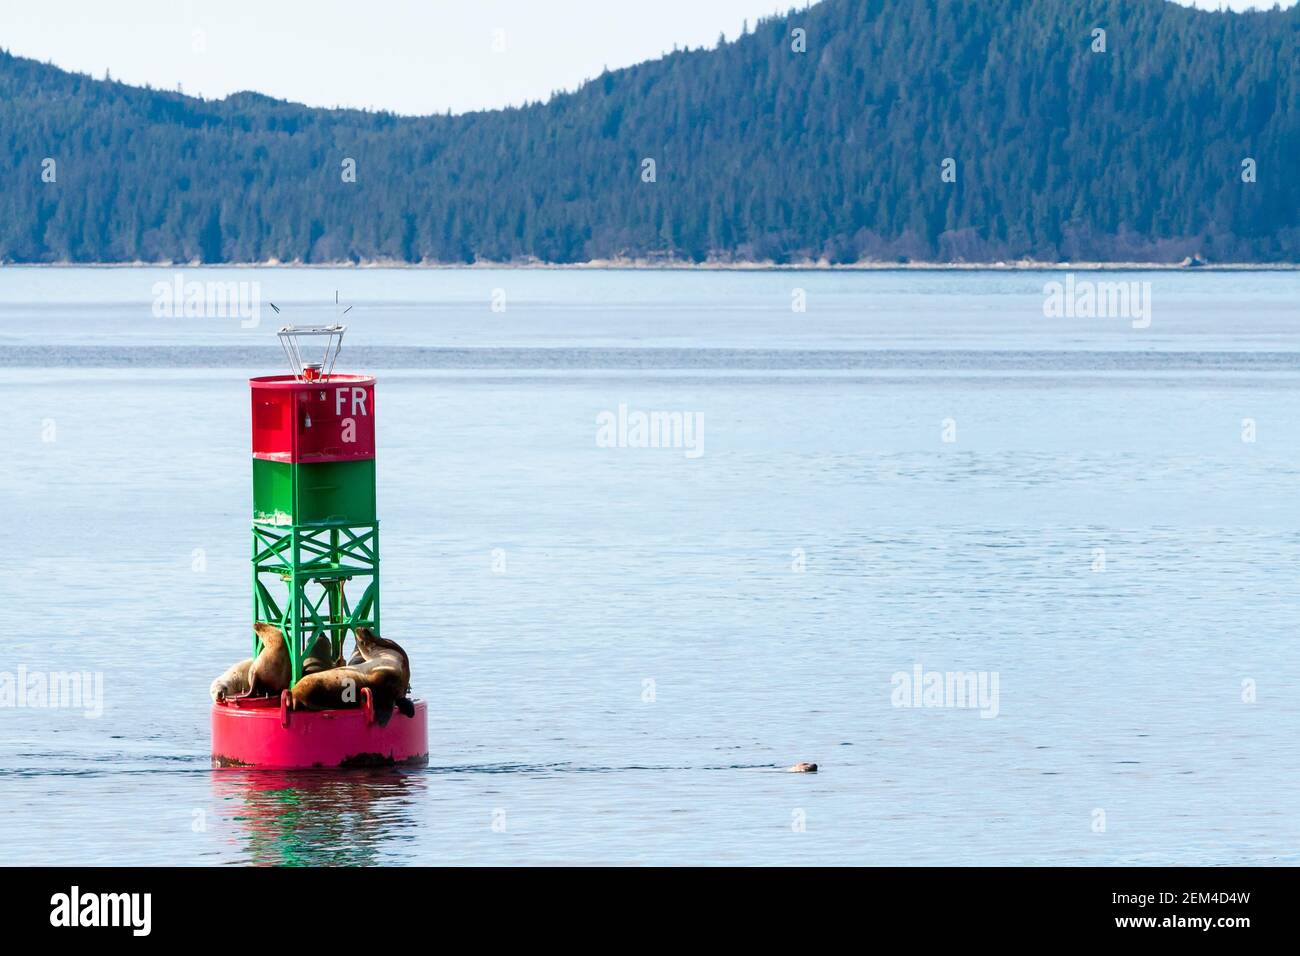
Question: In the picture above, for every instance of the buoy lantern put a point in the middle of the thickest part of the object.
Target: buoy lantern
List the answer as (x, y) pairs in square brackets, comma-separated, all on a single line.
[(315, 564)]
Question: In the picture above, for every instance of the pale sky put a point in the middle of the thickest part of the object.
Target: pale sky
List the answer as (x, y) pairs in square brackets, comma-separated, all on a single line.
[(409, 56)]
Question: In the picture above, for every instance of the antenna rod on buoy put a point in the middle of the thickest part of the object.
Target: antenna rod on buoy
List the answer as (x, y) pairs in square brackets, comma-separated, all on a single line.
[(290, 336)]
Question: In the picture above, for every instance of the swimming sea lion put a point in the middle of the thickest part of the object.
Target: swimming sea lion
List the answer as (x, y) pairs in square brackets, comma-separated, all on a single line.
[(233, 683), (803, 768), (271, 670)]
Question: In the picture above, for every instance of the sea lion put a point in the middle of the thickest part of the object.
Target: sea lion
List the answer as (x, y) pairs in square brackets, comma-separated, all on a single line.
[(320, 657), (370, 647), (803, 768), (271, 670), (233, 683), (341, 687)]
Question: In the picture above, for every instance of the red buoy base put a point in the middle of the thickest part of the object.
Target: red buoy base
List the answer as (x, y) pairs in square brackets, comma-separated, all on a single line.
[(263, 733)]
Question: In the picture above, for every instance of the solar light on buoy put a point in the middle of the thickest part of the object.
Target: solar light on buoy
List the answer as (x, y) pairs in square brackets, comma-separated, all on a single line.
[(315, 561)]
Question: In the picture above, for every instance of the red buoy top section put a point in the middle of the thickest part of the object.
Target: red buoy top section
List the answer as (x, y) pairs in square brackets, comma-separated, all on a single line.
[(295, 421)]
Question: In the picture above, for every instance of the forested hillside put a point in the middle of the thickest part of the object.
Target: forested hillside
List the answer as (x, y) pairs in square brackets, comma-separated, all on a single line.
[(760, 152)]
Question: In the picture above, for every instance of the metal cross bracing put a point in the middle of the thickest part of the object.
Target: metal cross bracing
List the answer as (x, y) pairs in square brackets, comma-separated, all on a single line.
[(300, 577)]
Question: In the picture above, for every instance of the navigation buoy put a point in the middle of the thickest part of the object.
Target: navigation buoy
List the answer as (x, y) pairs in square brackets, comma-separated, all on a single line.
[(315, 531)]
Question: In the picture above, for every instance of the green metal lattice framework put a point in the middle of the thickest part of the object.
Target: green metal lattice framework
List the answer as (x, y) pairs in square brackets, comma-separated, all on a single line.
[(299, 578)]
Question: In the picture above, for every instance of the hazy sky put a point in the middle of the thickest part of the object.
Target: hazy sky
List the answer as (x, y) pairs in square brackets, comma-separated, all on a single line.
[(411, 56)]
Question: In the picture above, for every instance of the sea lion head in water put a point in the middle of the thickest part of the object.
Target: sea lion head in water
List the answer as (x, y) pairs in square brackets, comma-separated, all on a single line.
[(233, 683), (271, 670)]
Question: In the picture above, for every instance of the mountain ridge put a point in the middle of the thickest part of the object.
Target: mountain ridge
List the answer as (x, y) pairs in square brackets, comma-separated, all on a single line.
[(761, 153)]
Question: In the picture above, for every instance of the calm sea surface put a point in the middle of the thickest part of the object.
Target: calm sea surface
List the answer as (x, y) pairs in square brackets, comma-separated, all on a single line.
[(660, 635)]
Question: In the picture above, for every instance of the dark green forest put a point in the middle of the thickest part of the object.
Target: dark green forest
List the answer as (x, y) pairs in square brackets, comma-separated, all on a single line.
[(761, 152)]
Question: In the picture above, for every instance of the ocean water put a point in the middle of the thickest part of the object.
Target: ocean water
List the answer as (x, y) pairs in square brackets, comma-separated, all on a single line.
[(623, 648)]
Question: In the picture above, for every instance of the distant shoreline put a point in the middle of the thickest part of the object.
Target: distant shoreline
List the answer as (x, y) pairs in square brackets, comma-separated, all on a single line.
[(637, 265)]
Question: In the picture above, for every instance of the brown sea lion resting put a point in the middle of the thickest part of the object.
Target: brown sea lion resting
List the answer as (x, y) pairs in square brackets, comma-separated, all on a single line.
[(233, 683), (371, 647), (320, 657), (272, 670), (377, 649), (383, 667), (266, 675)]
